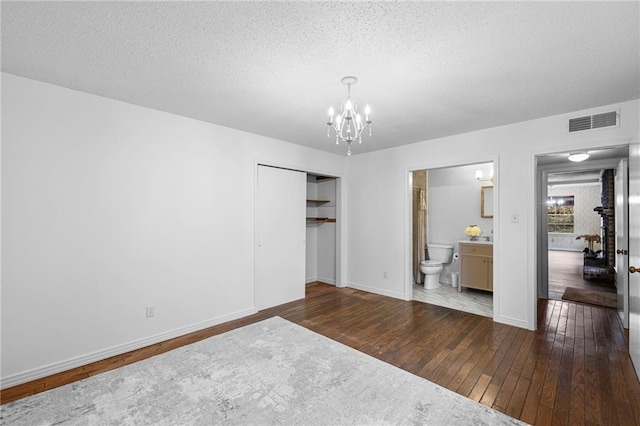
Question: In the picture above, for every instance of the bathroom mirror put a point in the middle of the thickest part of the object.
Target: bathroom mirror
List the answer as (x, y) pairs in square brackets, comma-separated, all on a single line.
[(486, 201)]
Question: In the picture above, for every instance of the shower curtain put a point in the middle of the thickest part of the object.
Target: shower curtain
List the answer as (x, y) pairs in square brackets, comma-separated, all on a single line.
[(419, 232)]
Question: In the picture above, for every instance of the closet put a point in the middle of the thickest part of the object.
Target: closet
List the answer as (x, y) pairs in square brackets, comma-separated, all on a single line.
[(320, 262)]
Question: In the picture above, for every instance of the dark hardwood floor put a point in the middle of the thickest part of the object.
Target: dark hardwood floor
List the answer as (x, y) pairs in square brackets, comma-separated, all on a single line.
[(575, 369), (565, 270)]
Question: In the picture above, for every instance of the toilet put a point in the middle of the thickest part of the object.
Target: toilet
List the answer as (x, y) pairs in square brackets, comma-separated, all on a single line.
[(439, 256)]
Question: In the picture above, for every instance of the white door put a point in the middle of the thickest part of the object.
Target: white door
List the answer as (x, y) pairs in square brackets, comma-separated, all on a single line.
[(280, 236), (634, 255), (622, 235)]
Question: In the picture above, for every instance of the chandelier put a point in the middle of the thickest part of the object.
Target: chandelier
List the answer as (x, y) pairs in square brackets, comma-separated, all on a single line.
[(348, 125)]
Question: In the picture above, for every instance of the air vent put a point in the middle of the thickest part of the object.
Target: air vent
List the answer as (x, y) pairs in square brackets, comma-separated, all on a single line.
[(596, 121)]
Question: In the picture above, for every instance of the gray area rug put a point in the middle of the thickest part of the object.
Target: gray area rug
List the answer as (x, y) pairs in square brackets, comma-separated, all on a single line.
[(271, 372)]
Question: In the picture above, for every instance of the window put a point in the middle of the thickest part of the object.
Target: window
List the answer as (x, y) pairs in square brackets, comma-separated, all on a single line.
[(560, 214)]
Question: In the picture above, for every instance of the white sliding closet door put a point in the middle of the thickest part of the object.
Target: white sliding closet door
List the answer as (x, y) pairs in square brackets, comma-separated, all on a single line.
[(281, 232)]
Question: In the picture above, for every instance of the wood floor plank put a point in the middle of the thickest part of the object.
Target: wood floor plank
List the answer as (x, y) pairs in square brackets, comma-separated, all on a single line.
[(500, 372), (574, 369), (515, 372), (468, 365), (447, 369), (542, 351), (516, 402), (562, 404), (479, 387), (592, 398), (577, 401), (469, 382)]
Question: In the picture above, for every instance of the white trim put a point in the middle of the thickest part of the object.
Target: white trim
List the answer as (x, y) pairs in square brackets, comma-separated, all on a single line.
[(533, 228), (513, 322), (325, 280), (79, 361), (376, 290), (408, 223), (538, 246), (341, 229), (341, 233)]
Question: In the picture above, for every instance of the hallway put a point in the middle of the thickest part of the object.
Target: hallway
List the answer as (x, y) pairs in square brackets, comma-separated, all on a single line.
[(565, 270)]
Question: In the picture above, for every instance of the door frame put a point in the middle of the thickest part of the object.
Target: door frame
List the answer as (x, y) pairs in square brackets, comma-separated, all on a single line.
[(541, 179), (341, 251), (408, 222), (634, 254), (622, 221)]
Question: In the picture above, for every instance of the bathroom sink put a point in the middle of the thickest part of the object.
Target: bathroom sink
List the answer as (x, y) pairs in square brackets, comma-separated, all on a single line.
[(476, 242)]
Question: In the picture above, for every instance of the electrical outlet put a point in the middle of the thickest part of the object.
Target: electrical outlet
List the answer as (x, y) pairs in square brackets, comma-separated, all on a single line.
[(151, 311)]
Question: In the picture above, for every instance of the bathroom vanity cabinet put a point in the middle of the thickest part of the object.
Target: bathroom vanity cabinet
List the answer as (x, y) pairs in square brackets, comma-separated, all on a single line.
[(476, 265)]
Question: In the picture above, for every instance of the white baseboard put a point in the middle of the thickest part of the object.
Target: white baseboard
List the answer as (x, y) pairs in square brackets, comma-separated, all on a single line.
[(310, 280), (327, 280), (79, 361), (375, 290), (512, 321)]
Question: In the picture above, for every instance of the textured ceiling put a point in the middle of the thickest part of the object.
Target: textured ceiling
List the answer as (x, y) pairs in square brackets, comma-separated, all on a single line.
[(428, 69)]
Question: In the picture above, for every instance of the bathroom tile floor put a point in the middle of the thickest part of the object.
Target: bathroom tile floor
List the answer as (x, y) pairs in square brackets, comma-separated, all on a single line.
[(472, 301)]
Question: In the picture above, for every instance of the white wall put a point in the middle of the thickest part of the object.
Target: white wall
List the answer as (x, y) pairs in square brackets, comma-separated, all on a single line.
[(379, 215), (585, 220), (454, 203), (108, 207)]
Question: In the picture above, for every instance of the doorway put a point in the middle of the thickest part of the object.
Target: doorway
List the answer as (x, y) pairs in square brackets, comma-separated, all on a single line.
[(445, 201), (282, 206), (576, 224)]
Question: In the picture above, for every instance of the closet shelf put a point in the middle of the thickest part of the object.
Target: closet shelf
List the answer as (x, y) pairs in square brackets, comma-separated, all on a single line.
[(321, 219), (318, 201)]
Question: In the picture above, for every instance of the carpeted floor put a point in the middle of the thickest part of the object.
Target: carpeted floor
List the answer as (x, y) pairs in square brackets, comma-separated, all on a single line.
[(271, 372), (592, 297)]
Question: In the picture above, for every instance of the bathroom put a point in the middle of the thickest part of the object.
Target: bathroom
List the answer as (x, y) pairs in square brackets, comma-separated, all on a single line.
[(446, 201)]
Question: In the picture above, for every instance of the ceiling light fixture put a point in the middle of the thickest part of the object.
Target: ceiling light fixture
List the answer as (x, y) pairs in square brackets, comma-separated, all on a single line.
[(577, 157), (349, 125)]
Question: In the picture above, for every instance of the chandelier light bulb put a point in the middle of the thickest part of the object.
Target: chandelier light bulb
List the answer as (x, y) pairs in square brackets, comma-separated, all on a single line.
[(348, 106), (331, 114)]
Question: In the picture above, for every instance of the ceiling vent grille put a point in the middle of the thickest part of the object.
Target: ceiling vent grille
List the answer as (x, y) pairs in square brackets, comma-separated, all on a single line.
[(592, 122)]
